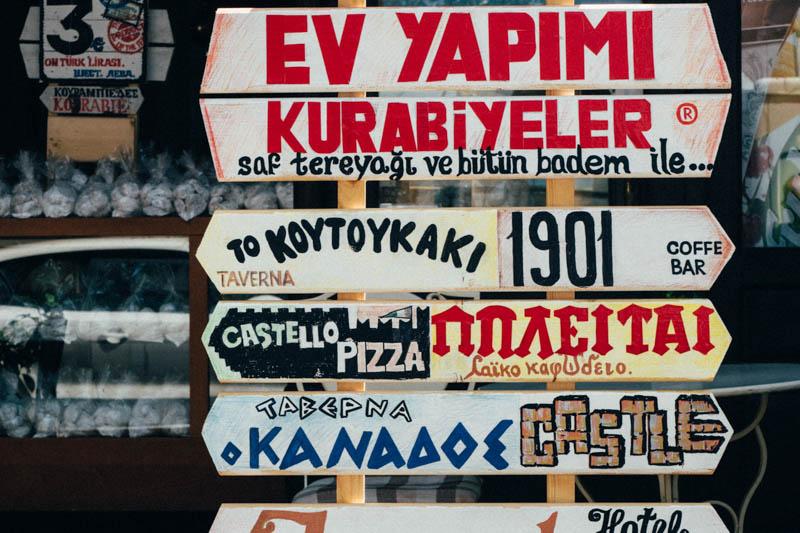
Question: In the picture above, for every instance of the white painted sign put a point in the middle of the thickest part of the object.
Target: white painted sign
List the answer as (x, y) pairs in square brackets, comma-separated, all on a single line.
[(93, 40), (158, 52), (401, 250), (92, 99), (483, 341), (673, 136), (503, 47), (473, 518), (643, 432)]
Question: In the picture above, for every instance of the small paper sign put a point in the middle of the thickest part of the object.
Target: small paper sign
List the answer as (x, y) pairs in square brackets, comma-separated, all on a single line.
[(92, 100)]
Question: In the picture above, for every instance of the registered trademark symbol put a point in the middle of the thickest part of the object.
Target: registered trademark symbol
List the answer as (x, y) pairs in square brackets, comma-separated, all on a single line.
[(686, 113)]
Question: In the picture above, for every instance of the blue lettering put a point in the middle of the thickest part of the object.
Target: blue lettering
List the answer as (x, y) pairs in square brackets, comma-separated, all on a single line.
[(299, 450), (424, 443), (257, 447), (460, 434), (385, 452), (343, 443), (495, 448)]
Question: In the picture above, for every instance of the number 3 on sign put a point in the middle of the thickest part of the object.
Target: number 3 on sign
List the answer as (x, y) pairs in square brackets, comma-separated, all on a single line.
[(73, 22), (545, 234)]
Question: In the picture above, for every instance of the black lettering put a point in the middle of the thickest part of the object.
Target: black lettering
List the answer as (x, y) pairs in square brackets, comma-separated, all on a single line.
[(356, 235), (377, 233), (398, 236), (428, 242), (277, 244), (315, 232), (336, 224), (452, 245)]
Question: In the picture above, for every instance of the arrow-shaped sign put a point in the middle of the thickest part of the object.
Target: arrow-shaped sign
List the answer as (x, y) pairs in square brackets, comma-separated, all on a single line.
[(483, 341), (489, 48), (401, 250), (92, 99), (674, 136), (467, 433), (473, 518)]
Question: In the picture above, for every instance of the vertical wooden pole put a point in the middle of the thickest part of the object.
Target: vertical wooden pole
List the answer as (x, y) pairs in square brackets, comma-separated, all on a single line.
[(351, 195), (560, 193)]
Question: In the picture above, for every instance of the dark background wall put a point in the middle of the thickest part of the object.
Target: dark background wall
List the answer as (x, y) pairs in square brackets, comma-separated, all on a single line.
[(758, 294)]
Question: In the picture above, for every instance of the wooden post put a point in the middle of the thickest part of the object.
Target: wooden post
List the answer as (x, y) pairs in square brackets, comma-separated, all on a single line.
[(351, 195), (560, 193)]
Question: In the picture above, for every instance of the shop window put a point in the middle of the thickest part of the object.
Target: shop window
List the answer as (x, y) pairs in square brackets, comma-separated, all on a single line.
[(94, 337), (770, 123)]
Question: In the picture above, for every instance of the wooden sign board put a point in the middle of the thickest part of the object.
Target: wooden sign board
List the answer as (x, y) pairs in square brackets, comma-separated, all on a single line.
[(494, 48), (473, 518), (401, 250), (93, 40), (673, 136), (483, 341), (473, 433), (91, 100)]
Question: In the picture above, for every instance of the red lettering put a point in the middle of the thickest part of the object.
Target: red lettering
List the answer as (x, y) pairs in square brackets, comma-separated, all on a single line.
[(568, 330), (458, 38), (703, 344), (501, 52), (397, 129), (638, 316), (642, 30), (549, 46), (587, 126), (580, 34), (459, 125), (279, 53), (487, 316), (358, 130), (520, 126), (601, 315), (280, 129), (333, 116), (670, 316), (339, 56), (459, 316), (536, 327), (421, 33), (554, 140), (491, 118), (631, 128), (431, 130)]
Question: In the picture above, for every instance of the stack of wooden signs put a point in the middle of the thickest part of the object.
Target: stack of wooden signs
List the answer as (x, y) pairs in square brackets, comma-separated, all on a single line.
[(505, 249)]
